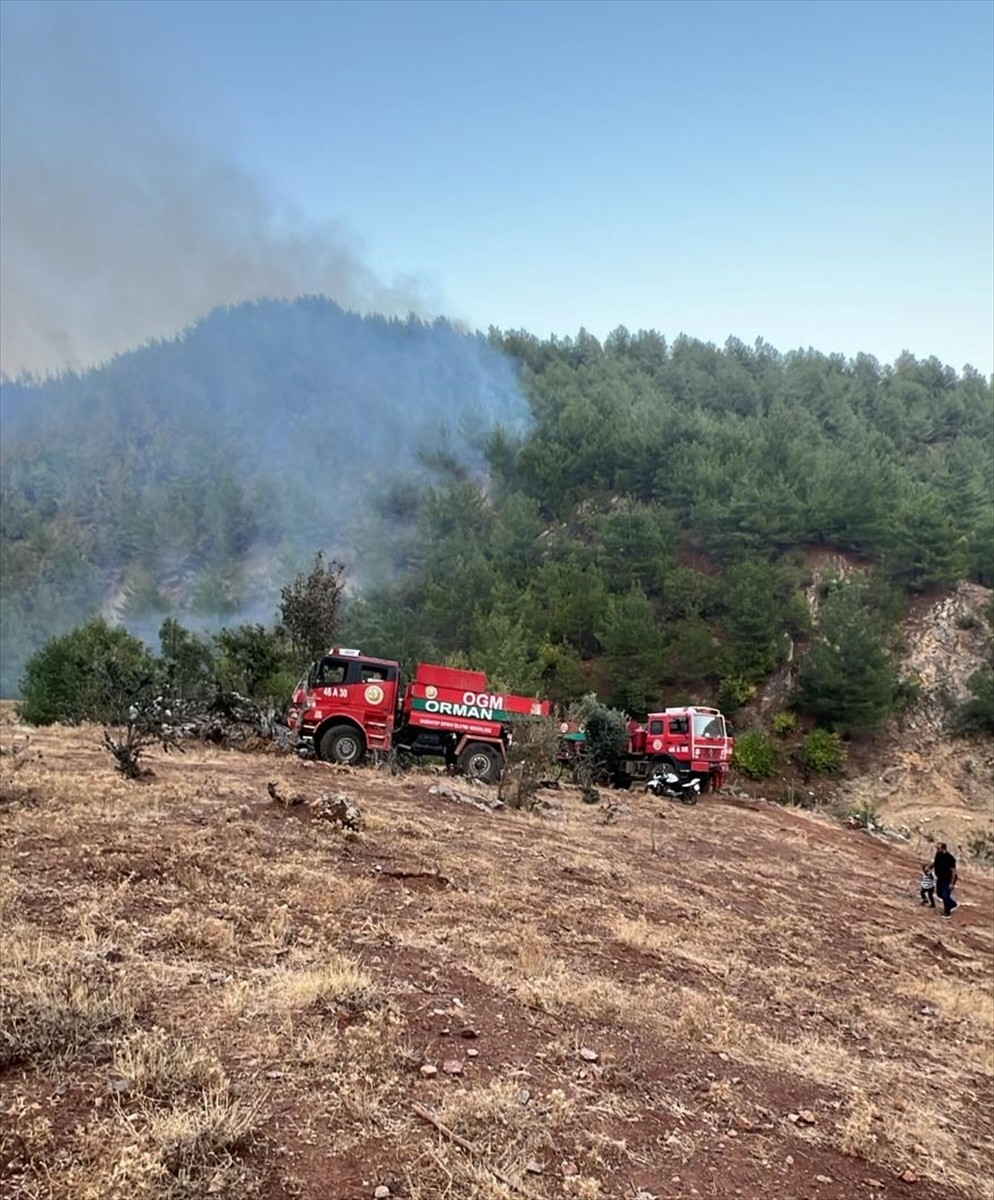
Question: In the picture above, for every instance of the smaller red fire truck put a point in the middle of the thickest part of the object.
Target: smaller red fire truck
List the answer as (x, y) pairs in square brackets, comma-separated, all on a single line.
[(689, 742), (349, 704)]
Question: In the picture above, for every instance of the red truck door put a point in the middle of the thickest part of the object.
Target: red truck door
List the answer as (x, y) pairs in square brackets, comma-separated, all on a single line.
[(358, 691)]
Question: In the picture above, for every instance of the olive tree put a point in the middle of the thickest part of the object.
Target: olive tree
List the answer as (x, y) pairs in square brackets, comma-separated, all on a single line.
[(310, 607)]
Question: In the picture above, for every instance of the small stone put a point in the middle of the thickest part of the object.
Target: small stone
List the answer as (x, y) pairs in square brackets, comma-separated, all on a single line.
[(457, 1002), (823, 1178), (806, 1117), (789, 1160), (524, 1096), (874, 1183), (472, 1053), (452, 1066), (381, 1193), (588, 1055), (533, 1167), (468, 1033), (793, 1117), (909, 1176), (428, 1071)]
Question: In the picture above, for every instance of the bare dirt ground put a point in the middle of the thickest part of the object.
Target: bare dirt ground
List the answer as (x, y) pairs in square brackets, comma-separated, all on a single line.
[(207, 992)]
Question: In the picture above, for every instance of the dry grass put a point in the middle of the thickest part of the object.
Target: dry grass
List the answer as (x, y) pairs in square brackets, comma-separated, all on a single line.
[(339, 983), (211, 983), (178, 1152), (157, 1065), (56, 1000)]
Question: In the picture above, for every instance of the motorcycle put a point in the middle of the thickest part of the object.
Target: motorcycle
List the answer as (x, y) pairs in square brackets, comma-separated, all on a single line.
[(685, 788)]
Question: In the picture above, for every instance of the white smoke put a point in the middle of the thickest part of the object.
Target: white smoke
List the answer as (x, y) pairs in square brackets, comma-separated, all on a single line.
[(115, 229)]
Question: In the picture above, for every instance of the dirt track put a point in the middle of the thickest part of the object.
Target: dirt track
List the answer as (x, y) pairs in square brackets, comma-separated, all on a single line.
[(729, 1000)]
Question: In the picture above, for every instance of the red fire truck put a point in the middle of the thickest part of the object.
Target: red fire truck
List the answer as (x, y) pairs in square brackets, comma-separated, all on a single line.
[(687, 741), (349, 703)]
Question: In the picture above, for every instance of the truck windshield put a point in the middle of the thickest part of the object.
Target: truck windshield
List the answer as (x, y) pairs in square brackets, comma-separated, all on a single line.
[(706, 725), (329, 671)]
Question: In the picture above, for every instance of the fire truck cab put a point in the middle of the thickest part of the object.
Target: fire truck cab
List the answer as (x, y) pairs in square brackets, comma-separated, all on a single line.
[(691, 740)]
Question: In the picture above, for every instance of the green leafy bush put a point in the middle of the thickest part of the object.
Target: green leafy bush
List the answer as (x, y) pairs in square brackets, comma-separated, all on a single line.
[(755, 755), (735, 690), (823, 752), (252, 659), (88, 674), (607, 731), (784, 723)]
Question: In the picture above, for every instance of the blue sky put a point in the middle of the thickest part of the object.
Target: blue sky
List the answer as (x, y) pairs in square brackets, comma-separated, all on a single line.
[(814, 174)]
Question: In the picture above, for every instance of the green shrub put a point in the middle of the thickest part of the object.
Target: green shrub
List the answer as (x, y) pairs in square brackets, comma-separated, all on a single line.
[(606, 733), (823, 752), (755, 755), (251, 659), (784, 723), (187, 660), (88, 674), (734, 691)]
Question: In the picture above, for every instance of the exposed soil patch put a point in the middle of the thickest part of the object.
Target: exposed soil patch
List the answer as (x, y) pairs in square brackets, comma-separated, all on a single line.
[(208, 992)]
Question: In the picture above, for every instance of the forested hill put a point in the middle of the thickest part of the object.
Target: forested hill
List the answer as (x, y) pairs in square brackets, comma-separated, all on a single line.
[(196, 475), (636, 516)]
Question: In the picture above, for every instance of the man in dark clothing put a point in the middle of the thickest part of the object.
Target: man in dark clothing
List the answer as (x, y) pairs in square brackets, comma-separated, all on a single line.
[(944, 867)]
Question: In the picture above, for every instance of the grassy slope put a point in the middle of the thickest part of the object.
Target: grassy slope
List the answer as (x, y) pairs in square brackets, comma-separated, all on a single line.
[(207, 992)]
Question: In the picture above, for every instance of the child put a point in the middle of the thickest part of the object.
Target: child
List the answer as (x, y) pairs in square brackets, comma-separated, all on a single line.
[(928, 884)]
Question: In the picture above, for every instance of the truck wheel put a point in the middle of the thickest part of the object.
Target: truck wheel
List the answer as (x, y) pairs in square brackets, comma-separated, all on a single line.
[(664, 766), (342, 744), (479, 761)]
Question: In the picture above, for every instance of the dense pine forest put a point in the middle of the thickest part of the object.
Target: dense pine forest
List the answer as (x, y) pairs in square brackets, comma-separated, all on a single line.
[(636, 517)]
